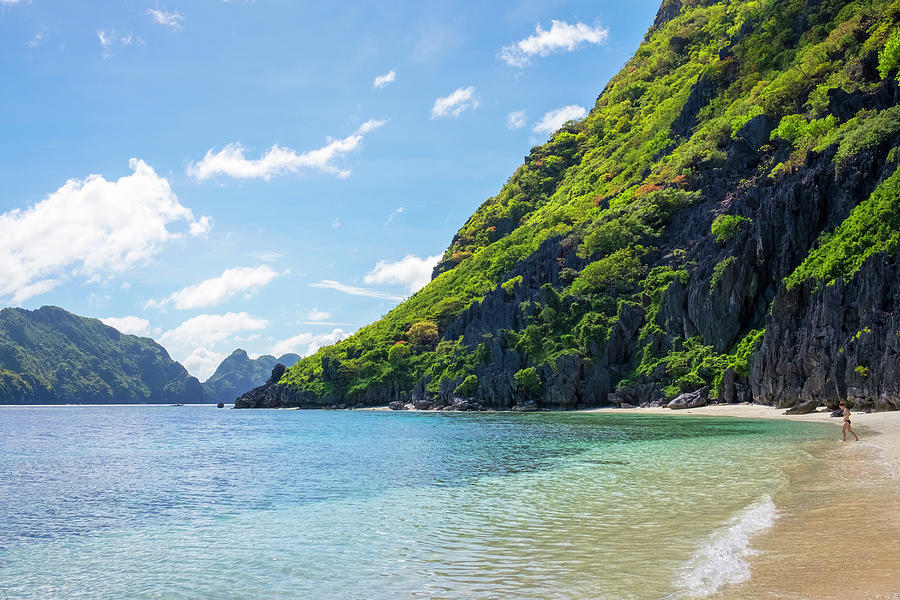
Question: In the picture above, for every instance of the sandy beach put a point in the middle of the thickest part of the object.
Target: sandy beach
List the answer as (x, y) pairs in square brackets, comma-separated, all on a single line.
[(838, 533), (837, 536)]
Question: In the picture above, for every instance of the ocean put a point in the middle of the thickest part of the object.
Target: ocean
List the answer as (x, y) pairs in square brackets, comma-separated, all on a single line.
[(140, 502)]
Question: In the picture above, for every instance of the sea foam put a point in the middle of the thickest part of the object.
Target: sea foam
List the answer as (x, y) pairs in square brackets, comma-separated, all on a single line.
[(721, 559)]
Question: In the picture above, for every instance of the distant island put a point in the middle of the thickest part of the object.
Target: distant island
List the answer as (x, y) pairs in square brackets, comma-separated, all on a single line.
[(239, 373), (51, 356), (724, 222)]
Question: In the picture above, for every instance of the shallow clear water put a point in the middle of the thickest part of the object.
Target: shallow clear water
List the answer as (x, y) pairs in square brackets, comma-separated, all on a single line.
[(196, 502)]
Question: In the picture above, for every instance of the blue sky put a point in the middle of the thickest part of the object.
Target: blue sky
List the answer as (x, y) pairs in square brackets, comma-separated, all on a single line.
[(267, 174)]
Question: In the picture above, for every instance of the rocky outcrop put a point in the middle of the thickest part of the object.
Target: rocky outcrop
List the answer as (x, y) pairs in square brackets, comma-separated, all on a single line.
[(239, 373), (271, 394), (820, 342), (693, 399), (837, 342)]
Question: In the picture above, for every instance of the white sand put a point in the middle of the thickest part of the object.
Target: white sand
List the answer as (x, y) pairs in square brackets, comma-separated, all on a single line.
[(842, 542), (880, 429)]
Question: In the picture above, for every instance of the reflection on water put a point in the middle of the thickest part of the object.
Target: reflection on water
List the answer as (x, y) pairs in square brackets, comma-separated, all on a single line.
[(145, 502)]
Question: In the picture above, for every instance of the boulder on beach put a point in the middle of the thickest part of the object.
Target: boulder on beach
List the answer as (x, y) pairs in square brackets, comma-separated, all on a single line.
[(693, 399)]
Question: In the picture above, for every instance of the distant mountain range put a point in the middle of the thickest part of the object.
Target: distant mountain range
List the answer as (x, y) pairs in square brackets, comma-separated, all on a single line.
[(51, 356), (239, 373)]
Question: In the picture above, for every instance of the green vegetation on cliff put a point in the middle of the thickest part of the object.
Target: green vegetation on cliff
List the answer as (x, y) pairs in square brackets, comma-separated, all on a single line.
[(572, 262), (52, 356)]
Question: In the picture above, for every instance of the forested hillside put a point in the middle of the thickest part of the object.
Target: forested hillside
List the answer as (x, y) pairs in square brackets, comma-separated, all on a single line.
[(726, 217), (50, 356)]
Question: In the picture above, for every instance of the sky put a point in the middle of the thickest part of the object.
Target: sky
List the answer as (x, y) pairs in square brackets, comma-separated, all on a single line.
[(270, 175)]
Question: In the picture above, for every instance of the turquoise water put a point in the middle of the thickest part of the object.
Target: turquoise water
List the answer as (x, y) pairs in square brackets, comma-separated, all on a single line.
[(196, 502)]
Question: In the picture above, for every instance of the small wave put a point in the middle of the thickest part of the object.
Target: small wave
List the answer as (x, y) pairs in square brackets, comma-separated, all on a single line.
[(721, 559)]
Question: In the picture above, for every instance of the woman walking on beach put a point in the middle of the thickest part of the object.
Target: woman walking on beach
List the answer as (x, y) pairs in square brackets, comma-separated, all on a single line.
[(846, 426)]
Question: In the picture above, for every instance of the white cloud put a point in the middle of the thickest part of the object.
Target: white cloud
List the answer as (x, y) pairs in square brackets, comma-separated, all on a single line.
[(305, 344), (336, 223), (169, 19), (555, 119), (190, 341), (9, 2), (201, 226), (318, 315), (383, 80), (454, 104), (206, 330), (130, 324), (354, 291), (35, 41), (230, 160), (86, 227), (392, 215), (411, 271), (560, 37), (110, 38), (515, 120), (202, 363), (216, 290)]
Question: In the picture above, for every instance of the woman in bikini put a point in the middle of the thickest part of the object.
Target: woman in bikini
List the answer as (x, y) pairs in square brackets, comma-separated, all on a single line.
[(846, 426)]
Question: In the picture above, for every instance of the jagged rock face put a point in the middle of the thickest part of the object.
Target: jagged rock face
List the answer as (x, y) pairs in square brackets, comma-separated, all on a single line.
[(839, 342), (238, 373), (820, 342)]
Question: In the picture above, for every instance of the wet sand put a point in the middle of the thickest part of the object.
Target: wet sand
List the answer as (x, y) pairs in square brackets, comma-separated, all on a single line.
[(838, 531), (837, 536)]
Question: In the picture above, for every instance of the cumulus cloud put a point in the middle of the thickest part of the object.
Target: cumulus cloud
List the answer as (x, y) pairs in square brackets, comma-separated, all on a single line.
[(214, 291), (206, 330), (354, 291), (129, 324), (202, 363), (305, 344), (383, 80), (89, 226), (555, 119), (190, 342), (515, 120), (454, 104), (561, 37), (231, 161), (411, 271), (169, 19)]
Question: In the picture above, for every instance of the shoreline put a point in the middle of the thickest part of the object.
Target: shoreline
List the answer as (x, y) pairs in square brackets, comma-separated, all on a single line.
[(836, 534), (880, 430), (838, 527)]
